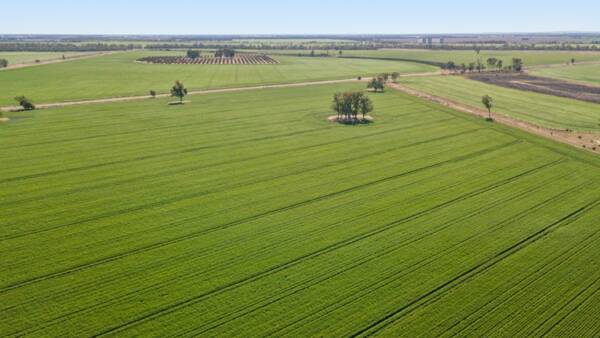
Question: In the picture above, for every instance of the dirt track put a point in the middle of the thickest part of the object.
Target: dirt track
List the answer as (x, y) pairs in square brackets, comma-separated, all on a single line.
[(588, 141), (199, 92)]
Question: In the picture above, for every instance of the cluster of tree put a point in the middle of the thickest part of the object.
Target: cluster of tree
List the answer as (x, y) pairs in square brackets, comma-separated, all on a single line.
[(62, 47), (3, 63), (492, 64), (25, 103), (225, 52), (349, 105), (193, 54), (378, 83)]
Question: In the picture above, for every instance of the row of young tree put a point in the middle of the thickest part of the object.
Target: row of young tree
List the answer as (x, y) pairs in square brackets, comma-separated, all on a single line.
[(493, 64), (349, 105)]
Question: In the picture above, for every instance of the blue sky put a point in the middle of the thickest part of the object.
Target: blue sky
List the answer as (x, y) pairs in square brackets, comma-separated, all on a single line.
[(296, 17)]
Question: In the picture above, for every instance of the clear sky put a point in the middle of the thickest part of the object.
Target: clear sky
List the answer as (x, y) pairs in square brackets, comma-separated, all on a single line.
[(296, 17)]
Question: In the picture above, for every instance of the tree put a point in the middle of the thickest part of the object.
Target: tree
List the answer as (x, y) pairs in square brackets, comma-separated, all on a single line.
[(179, 91), (193, 54), (492, 62), (153, 93), (337, 105), (225, 52), (488, 102), (340, 52), (365, 105), (499, 64), (572, 61), (3, 63), (25, 103), (517, 64), (377, 84), (479, 66), (472, 66), (463, 68), (395, 76)]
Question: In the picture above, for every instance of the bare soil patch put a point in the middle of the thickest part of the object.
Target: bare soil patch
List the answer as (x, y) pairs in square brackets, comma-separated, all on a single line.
[(242, 59), (582, 140), (540, 85), (342, 120)]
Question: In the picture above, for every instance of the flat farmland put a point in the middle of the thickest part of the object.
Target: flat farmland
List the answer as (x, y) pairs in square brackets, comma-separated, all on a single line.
[(544, 110), (530, 58), (586, 73), (119, 75), (15, 58), (248, 214)]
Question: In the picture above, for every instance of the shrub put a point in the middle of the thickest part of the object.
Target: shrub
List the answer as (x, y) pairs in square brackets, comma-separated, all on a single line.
[(25, 103)]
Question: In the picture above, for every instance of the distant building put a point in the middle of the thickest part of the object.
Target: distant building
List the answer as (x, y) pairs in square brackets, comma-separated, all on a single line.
[(430, 40)]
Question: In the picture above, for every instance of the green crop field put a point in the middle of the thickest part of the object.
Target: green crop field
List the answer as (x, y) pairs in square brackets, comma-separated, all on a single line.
[(589, 73), (119, 75), (530, 58), (248, 214), (30, 57), (545, 110)]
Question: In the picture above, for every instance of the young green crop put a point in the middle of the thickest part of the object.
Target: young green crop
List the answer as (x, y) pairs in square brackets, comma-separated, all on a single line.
[(545, 110), (249, 214), (119, 75)]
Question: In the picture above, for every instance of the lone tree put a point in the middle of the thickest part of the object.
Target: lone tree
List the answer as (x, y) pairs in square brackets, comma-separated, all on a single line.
[(193, 54), (488, 102), (153, 93), (377, 83), (572, 61), (25, 103), (3, 63), (517, 64), (395, 76), (179, 91)]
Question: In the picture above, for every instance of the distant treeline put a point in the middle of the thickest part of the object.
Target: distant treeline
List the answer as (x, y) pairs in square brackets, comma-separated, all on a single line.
[(504, 47), (372, 45), (10, 46), (61, 47), (166, 46)]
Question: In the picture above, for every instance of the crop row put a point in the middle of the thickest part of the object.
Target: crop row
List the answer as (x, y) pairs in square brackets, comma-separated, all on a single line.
[(144, 217), (243, 59)]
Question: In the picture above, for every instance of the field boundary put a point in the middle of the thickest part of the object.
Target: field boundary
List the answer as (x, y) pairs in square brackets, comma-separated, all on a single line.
[(580, 140)]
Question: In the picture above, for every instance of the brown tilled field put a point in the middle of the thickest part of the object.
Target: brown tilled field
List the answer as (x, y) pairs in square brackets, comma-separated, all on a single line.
[(541, 85), (245, 59)]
